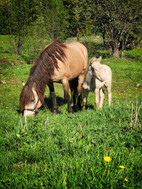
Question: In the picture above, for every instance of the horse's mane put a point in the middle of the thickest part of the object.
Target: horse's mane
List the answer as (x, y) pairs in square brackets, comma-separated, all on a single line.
[(42, 70), (48, 58)]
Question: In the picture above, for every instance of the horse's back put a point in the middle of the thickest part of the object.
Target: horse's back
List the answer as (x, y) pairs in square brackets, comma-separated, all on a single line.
[(77, 52), (75, 62)]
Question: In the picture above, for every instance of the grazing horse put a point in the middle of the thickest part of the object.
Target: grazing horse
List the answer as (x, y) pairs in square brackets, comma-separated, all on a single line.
[(96, 77), (59, 62)]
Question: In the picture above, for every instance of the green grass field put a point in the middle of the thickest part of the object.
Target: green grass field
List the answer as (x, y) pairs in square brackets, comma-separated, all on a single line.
[(70, 150)]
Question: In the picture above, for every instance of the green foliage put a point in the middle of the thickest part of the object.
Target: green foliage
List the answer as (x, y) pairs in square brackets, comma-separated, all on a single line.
[(3, 17), (7, 56), (31, 22), (55, 18), (21, 15), (119, 22), (34, 42), (134, 54), (80, 21)]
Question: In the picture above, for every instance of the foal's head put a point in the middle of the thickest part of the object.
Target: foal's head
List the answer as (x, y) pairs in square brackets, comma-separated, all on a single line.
[(95, 67), (29, 100)]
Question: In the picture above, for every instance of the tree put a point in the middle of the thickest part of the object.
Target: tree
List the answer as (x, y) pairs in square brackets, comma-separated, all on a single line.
[(79, 19), (21, 14), (118, 21), (55, 18), (3, 17)]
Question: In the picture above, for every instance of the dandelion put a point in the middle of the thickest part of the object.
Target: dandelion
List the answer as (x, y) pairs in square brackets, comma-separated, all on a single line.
[(107, 158), (121, 167), (126, 180)]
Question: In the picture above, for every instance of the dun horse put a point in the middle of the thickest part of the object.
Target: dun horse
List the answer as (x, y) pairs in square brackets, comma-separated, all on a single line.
[(59, 62), (97, 76)]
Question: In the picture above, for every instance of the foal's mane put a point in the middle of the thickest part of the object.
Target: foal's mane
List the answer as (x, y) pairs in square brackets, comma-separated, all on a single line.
[(42, 70)]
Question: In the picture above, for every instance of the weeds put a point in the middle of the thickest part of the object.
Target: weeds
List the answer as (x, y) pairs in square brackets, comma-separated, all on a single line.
[(134, 115)]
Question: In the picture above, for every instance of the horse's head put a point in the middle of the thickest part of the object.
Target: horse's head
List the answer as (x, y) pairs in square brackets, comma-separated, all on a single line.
[(30, 102), (96, 69)]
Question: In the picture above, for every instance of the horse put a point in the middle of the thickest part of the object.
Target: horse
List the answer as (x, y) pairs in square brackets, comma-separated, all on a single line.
[(97, 76), (64, 63)]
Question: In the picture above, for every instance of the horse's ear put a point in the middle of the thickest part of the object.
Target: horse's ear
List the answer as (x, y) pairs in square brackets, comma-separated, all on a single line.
[(92, 60), (34, 86), (23, 83), (100, 58)]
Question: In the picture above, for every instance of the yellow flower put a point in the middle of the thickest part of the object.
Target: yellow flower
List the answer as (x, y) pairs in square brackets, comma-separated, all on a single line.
[(107, 158), (121, 167), (126, 180)]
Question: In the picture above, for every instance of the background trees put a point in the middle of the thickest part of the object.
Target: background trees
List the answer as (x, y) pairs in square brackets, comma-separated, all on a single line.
[(37, 22), (79, 17), (3, 17), (21, 14), (119, 22), (54, 17)]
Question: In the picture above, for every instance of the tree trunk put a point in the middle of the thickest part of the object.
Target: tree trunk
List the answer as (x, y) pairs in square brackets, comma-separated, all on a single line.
[(116, 53), (122, 54), (77, 34)]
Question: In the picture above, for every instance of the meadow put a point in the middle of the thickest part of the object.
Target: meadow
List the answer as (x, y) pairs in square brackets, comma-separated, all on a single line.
[(87, 149)]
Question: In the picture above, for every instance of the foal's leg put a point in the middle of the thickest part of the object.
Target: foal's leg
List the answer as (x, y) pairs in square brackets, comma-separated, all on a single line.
[(85, 96), (66, 93), (53, 96), (109, 95), (102, 95), (79, 89), (97, 97)]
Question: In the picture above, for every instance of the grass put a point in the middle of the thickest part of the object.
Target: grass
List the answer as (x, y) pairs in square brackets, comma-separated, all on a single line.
[(7, 56), (68, 150), (126, 78), (134, 54)]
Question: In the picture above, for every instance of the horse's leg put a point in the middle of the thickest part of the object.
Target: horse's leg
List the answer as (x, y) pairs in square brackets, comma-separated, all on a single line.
[(73, 98), (73, 86), (79, 89), (109, 95), (97, 97), (85, 96), (53, 96), (66, 93), (102, 95)]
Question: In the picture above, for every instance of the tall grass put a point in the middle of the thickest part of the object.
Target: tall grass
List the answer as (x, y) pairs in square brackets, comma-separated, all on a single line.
[(68, 150)]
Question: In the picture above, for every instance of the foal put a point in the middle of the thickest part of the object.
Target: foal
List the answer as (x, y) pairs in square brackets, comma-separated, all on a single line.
[(96, 77)]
